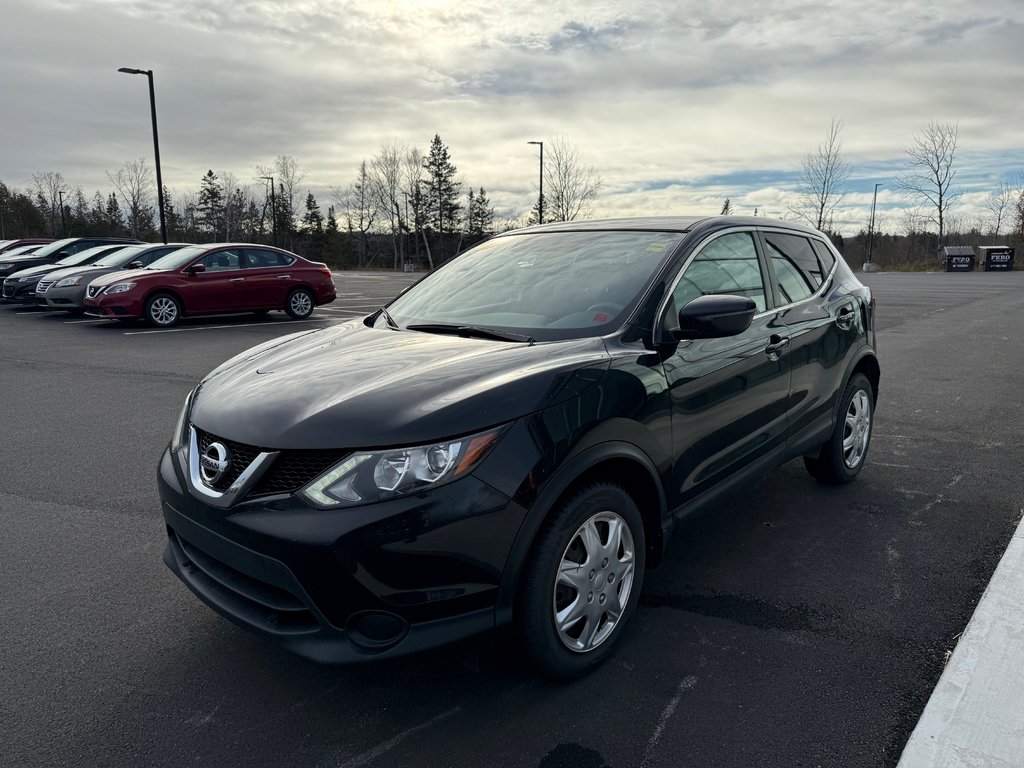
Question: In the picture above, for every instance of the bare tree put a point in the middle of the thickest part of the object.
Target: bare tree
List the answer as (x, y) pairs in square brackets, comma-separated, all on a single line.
[(134, 184), (288, 176), (931, 174), (825, 173), (569, 186), (387, 173), (358, 207), (1000, 205), (49, 186)]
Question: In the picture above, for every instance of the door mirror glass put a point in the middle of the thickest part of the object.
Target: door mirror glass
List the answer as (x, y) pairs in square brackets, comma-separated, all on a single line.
[(196, 269)]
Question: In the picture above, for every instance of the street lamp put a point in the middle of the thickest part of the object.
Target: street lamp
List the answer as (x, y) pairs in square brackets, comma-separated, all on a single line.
[(273, 207), (540, 200), (871, 224), (156, 145), (63, 228)]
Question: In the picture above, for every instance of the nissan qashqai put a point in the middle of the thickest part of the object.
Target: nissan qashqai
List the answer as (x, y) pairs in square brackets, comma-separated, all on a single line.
[(513, 438)]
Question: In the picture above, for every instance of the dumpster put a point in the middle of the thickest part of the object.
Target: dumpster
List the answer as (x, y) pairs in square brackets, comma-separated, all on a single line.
[(957, 258), (995, 258)]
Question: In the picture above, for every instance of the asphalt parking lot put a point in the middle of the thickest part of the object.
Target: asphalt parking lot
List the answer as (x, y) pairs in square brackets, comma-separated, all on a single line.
[(795, 625)]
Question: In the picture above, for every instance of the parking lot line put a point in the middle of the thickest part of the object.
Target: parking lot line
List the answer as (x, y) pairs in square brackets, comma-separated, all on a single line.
[(215, 327), (41, 314), (69, 322)]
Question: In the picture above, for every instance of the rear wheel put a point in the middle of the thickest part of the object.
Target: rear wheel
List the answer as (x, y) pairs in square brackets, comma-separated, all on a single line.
[(162, 310), (300, 304), (582, 581), (842, 457)]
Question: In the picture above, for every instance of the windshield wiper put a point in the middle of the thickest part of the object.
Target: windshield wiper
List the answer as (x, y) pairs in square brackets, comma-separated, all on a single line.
[(471, 330)]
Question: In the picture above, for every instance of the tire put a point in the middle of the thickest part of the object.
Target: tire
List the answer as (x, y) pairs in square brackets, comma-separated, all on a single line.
[(842, 457), (300, 304), (565, 622), (162, 310)]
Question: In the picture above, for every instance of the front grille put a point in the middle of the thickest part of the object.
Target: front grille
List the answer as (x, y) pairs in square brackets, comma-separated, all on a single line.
[(93, 291), (43, 286), (292, 470), (258, 602), (242, 456), (289, 471), (8, 290)]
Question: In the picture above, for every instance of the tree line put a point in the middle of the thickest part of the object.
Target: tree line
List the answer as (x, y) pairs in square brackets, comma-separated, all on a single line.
[(403, 207)]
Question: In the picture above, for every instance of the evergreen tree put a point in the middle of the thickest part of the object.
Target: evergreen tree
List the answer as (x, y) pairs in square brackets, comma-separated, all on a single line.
[(285, 218), (441, 197), (114, 219), (479, 213), (534, 217), (210, 208), (726, 207), (313, 220), (171, 217)]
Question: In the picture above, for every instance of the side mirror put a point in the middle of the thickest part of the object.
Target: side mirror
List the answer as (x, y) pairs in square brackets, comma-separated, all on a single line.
[(135, 265), (714, 317), (195, 269)]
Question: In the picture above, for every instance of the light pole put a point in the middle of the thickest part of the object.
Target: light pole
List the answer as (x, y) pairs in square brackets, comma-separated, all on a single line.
[(63, 229), (540, 200), (871, 224), (273, 208), (156, 145)]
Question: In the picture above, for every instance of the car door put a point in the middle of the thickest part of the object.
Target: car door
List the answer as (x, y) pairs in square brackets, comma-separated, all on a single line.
[(727, 395), (220, 286), (268, 277), (823, 321)]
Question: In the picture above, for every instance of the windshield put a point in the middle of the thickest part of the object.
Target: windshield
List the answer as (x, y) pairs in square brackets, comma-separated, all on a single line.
[(121, 257), (82, 257), (21, 250), (54, 247), (547, 285), (178, 259)]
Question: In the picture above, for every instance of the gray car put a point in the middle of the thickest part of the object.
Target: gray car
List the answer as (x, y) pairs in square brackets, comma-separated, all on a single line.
[(65, 288)]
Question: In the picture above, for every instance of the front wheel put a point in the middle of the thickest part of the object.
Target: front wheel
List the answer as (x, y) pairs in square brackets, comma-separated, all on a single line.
[(582, 581), (300, 304), (842, 457), (162, 310)]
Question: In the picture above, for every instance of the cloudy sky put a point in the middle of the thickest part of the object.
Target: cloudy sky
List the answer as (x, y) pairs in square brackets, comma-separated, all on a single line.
[(677, 104)]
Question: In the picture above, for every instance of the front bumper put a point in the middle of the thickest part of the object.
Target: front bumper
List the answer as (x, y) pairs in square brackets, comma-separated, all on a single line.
[(24, 293), (119, 306), (381, 580)]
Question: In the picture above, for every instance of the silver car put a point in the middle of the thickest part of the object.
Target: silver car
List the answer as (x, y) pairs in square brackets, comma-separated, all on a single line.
[(65, 288)]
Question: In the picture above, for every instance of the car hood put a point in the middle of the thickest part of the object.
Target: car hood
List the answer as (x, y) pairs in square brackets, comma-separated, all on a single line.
[(84, 271), (126, 275), (351, 386), (37, 271)]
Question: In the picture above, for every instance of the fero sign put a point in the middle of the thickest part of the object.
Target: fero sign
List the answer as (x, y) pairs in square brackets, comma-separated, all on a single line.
[(996, 258)]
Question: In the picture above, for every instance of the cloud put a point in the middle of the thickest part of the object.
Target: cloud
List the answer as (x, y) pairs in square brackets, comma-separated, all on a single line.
[(676, 104)]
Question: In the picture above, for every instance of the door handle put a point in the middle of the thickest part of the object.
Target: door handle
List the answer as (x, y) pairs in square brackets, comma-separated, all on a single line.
[(237, 279), (845, 318), (284, 277), (775, 346)]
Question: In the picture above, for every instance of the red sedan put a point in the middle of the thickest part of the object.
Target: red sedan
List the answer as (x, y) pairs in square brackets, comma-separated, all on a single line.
[(214, 279)]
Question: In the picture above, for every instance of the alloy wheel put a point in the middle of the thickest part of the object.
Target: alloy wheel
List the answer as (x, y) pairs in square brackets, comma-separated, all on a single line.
[(857, 431)]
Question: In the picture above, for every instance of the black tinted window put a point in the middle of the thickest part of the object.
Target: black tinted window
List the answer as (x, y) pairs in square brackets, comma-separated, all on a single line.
[(219, 261), (825, 256), (797, 271), (259, 258), (726, 265)]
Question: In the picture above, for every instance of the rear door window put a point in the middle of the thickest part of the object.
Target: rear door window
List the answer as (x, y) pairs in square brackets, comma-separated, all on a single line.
[(797, 269)]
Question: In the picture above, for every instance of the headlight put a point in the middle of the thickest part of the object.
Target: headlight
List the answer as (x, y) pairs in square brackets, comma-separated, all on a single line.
[(119, 288), (373, 476), (6, 266), (67, 282), (27, 279), (178, 438)]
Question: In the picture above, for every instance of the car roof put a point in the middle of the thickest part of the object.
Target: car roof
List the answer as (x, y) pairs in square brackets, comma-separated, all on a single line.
[(663, 224)]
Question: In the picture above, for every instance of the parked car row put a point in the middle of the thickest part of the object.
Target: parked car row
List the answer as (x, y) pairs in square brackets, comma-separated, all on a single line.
[(121, 279)]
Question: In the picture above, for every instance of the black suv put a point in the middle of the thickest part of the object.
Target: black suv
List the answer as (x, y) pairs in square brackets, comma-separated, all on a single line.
[(513, 438)]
